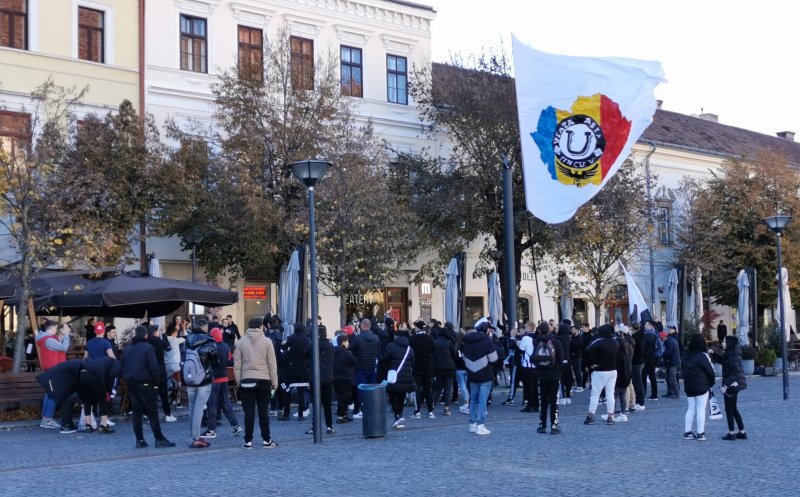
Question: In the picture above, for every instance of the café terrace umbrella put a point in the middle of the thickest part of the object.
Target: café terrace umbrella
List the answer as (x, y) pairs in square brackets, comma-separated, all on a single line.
[(451, 293), (788, 313), (287, 299), (154, 270), (495, 298), (44, 286), (133, 294), (743, 308), (672, 299), (567, 303)]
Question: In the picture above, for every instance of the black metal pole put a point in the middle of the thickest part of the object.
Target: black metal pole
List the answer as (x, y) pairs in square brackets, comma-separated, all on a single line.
[(785, 366), (755, 306), (508, 218), (535, 271), (194, 273), (314, 326)]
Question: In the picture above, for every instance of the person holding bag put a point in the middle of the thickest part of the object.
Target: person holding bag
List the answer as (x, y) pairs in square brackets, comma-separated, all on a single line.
[(698, 378), (398, 358), (733, 382)]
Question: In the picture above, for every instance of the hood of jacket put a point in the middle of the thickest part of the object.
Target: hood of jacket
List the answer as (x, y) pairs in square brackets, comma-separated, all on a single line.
[(195, 340), (401, 340)]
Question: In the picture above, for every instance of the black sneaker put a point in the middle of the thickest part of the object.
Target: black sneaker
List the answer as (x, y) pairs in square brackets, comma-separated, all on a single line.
[(741, 436), (247, 445), (689, 436), (527, 409), (329, 430), (269, 444), (541, 429), (610, 420), (141, 444), (105, 429), (342, 420), (209, 434), (65, 430), (237, 429), (589, 420), (163, 443), (729, 436), (555, 430)]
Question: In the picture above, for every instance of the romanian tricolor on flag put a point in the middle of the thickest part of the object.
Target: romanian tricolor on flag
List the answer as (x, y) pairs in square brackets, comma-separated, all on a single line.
[(579, 118)]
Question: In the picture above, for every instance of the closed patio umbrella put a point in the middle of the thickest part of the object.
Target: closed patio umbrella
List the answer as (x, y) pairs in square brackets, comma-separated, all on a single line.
[(672, 299), (567, 303), (743, 308), (788, 317), (451, 293), (290, 286), (495, 298)]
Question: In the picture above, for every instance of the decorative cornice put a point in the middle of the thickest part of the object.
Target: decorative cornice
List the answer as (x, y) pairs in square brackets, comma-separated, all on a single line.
[(248, 12), (354, 36), (197, 6), (397, 44), (303, 26)]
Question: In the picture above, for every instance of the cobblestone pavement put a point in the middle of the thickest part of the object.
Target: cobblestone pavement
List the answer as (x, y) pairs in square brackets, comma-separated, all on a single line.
[(437, 457)]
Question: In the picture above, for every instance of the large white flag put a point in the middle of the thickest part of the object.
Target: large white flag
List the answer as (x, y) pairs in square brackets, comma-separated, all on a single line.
[(637, 305), (579, 118)]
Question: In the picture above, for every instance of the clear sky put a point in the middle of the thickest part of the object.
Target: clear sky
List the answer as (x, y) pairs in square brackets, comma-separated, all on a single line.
[(736, 59)]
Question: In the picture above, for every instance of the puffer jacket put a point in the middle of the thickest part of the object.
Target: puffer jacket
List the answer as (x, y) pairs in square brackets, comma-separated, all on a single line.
[(697, 372), (366, 348), (392, 357), (297, 351), (479, 354), (732, 364), (444, 357)]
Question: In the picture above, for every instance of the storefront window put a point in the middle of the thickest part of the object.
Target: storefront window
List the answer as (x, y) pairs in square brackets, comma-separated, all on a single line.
[(474, 310)]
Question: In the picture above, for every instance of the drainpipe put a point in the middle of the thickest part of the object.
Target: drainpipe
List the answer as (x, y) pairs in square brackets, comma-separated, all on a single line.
[(650, 220), (143, 223)]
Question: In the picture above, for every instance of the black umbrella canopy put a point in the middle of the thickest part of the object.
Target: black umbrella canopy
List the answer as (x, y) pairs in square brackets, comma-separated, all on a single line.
[(44, 285), (6, 289), (134, 294)]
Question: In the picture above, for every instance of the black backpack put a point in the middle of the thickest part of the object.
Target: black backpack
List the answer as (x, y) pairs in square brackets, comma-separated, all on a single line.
[(544, 354)]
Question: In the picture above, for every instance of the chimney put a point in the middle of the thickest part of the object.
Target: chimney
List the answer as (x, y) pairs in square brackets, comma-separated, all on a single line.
[(786, 135), (707, 116), (659, 103)]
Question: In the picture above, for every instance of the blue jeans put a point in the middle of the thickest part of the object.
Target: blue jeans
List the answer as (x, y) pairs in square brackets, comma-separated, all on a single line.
[(478, 396), (461, 376), (198, 397), (219, 400), (48, 407)]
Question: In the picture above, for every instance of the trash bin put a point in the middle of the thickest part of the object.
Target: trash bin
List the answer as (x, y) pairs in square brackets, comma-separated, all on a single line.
[(373, 409)]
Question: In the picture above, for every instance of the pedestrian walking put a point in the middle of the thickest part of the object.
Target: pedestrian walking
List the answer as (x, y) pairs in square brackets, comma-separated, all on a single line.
[(398, 359), (698, 378), (733, 382), (601, 354), (344, 377), (199, 356), (219, 402), (480, 354)]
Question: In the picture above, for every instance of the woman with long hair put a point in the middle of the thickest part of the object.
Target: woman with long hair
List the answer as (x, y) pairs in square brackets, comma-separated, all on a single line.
[(698, 378), (733, 382)]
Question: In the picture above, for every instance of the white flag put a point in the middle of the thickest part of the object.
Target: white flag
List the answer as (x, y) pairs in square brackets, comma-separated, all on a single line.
[(579, 118), (637, 305)]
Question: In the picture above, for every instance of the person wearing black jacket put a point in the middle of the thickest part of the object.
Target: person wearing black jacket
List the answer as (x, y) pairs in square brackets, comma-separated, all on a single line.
[(444, 368), (563, 337), (297, 351), (549, 371), (733, 382), (624, 354), (60, 383), (141, 374), (97, 379), (366, 348), (160, 346), (698, 378), (344, 377), (326, 360), (650, 360), (399, 357), (637, 365), (576, 358), (424, 348), (479, 355), (587, 337), (601, 355)]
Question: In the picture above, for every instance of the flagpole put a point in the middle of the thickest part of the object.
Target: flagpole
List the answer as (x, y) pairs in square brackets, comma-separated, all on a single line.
[(508, 219), (535, 272)]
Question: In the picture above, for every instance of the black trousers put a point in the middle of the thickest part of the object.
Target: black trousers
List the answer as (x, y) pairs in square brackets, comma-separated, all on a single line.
[(301, 402), (732, 411), (92, 394), (397, 400), (566, 380), (163, 393), (326, 397), (577, 370), (649, 371), (424, 380), (443, 383), (252, 399), (143, 401), (548, 391), (530, 387), (344, 396)]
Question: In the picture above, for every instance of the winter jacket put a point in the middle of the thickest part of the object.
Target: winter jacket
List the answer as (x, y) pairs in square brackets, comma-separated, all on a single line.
[(638, 348), (344, 365), (479, 353), (649, 347), (366, 349), (206, 348), (220, 371), (552, 373), (697, 373), (392, 357), (672, 353), (444, 357), (602, 354), (139, 363), (575, 347), (424, 348), (254, 358), (732, 364), (105, 369), (297, 350), (61, 381), (564, 337), (623, 362), (325, 361)]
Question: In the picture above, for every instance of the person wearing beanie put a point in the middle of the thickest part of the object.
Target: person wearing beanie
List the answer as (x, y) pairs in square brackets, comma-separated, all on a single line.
[(733, 382), (601, 354), (142, 375), (219, 400), (479, 355), (698, 378), (203, 347), (255, 369), (424, 348)]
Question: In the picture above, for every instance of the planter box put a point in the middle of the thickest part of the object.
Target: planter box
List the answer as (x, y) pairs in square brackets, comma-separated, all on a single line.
[(748, 365), (768, 371), (759, 370)]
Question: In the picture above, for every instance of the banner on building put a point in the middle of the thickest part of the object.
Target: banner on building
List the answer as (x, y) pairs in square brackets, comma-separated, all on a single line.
[(579, 118)]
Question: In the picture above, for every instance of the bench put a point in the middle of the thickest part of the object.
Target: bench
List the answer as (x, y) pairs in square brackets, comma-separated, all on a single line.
[(19, 389)]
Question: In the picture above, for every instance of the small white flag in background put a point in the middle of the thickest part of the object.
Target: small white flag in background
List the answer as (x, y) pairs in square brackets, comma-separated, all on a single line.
[(579, 118)]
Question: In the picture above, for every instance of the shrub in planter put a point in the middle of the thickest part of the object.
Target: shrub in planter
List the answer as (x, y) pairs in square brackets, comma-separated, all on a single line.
[(765, 357), (748, 353)]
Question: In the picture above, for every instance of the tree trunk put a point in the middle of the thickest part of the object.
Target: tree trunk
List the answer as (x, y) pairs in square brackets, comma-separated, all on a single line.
[(22, 316), (597, 312), (342, 305)]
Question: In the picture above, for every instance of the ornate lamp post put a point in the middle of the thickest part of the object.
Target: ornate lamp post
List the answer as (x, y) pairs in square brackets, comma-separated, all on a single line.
[(777, 224)]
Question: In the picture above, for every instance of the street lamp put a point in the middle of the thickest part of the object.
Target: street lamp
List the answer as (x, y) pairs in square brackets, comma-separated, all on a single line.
[(310, 172), (777, 224), (194, 239)]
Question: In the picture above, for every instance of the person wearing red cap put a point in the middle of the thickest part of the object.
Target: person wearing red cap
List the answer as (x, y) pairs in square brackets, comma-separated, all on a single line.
[(99, 346), (219, 399)]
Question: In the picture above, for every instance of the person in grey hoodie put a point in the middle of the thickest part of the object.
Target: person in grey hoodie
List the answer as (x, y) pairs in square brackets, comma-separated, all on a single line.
[(366, 348), (255, 370)]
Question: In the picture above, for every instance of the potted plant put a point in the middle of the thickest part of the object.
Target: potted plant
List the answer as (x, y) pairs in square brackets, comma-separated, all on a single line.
[(765, 358), (748, 359)]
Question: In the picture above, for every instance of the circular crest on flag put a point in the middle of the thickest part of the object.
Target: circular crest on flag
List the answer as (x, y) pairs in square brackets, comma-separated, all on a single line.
[(578, 142)]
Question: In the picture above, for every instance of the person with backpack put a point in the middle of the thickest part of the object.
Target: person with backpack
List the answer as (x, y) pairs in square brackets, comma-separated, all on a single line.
[(698, 378), (141, 374), (398, 359), (601, 354), (528, 374), (479, 355), (653, 350), (255, 369), (549, 359), (199, 356), (444, 368), (672, 359)]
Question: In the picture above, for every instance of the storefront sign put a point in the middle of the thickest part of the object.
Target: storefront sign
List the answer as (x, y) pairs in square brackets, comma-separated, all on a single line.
[(425, 291), (255, 293), (359, 299)]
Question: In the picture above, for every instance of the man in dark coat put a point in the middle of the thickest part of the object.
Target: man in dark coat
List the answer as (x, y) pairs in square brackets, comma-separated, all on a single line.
[(297, 351), (60, 383), (399, 356), (366, 348), (424, 348), (549, 373), (326, 358)]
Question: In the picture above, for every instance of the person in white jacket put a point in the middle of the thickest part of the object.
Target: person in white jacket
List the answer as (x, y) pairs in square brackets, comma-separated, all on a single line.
[(172, 362)]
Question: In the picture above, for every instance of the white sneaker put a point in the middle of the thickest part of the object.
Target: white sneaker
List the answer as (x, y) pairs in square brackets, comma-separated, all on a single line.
[(399, 423), (481, 430), (569, 402), (578, 389), (639, 407), (431, 415), (49, 424), (473, 427), (111, 423), (170, 419), (358, 415), (464, 409), (351, 406), (620, 418)]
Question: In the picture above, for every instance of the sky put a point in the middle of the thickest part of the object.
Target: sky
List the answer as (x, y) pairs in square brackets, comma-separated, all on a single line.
[(738, 60)]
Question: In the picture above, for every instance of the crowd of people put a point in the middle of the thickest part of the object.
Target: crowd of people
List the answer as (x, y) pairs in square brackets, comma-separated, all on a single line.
[(431, 363)]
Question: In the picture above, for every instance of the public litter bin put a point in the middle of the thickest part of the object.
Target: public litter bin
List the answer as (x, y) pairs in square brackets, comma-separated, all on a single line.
[(373, 409)]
